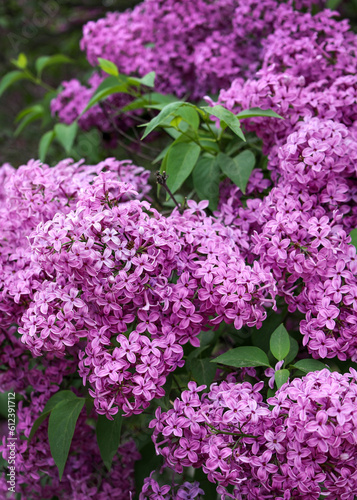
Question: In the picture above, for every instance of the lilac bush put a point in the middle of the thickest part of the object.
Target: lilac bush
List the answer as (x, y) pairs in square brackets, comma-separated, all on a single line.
[(214, 338)]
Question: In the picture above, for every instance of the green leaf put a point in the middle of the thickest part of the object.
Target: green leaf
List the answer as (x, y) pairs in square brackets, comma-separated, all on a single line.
[(281, 376), (36, 113), (261, 337), (333, 4), (175, 122), (21, 61), (252, 112), (227, 116), (27, 111), (51, 403), (61, 427), (150, 101), (238, 169), (243, 356), (108, 437), (45, 143), (44, 61), (208, 487), (148, 80), (11, 78), (181, 158), (3, 404), (280, 343), (206, 176), (166, 111), (189, 115), (66, 134), (203, 371), (353, 235), (108, 66), (109, 86), (294, 349), (309, 365), (142, 468)]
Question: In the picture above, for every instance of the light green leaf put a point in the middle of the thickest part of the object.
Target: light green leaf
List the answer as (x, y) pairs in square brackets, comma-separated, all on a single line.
[(238, 169), (66, 134), (181, 159), (175, 122), (108, 67), (165, 113), (51, 403), (61, 427), (33, 115), (108, 437), (243, 356), (227, 116), (11, 78), (280, 343), (252, 112), (281, 376), (206, 176), (44, 61), (148, 80), (309, 365), (45, 143), (109, 86), (27, 111), (21, 61), (189, 115)]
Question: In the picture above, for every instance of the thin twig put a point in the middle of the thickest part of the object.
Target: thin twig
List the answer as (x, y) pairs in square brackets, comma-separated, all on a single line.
[(161, 179), (118, 131)]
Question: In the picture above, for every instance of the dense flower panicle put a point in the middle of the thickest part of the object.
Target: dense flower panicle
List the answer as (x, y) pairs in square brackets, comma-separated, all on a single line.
[(114, 263), (307, 439), (301, 228), (33, 194), (102, 283), (193, 49)]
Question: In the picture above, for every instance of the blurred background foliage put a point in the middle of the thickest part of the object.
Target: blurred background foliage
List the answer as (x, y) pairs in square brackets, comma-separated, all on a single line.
[(48, 27), (41, 28)]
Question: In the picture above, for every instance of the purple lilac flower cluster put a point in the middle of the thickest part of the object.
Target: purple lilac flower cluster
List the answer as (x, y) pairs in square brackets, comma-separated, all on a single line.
[(305, 439), (29, 196), (194, 49), (109, 267), (301, 228)]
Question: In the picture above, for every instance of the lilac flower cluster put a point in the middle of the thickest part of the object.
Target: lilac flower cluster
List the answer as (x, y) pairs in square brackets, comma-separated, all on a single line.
[(301, 228), (33, 194), (29, 196), (83, 475), (307, 439), (110, 265), (194, 49)]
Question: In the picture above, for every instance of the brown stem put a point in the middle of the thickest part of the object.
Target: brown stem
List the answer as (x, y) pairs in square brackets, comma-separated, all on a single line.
[(161, 179)]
